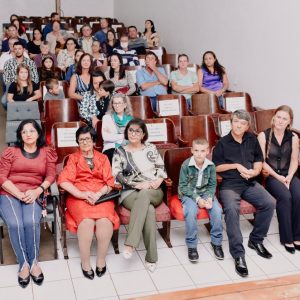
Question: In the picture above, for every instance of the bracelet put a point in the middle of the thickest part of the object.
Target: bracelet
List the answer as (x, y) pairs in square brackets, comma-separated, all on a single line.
[(42, 188)]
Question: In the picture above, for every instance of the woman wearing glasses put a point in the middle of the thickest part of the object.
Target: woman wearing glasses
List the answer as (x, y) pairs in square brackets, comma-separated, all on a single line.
[(119, 113), (27, 170), (86, 177), (140, 169)]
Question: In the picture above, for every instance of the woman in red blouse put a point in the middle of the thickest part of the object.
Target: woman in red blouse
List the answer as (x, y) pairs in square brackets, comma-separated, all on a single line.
[(87, 176), (26, 170)]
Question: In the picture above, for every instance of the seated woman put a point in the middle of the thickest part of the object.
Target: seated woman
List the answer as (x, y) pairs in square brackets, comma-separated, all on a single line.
[(99, 57), (150, 34), (119, 113), (21, 29), (152, 80), (86, 177), (95, 103), (212, 77), (184, 81), (48, 70), (66, 56), (140, 169), (72, 69), (122, 79), (56, 37), (35, 44), (111, 42), (81, 80), (27, 170), (281, 150), (23, 89)]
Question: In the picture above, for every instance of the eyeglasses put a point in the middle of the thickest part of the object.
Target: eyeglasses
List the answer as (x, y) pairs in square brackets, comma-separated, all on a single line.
[(87, 140), (118, 103), (137, 131), (32, 131)]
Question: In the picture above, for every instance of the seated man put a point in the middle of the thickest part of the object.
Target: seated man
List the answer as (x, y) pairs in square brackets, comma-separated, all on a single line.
[(129, 57), (196, 189), (12, 33), (48, 28), (86, 40), (152, 80), (137, 43), (238, 159)]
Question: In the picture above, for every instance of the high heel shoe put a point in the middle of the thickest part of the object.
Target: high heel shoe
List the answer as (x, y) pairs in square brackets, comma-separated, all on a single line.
[(100, 271), (88, 274), (23, 282), (297, 247), (38, 279), (290, 249)]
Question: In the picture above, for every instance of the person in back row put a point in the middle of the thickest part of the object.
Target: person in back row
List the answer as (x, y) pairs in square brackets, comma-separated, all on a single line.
[(238, 159), (137, 43), (196, 189)]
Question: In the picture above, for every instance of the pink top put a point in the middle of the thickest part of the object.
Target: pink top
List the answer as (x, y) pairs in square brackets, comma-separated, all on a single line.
[(24, 172)]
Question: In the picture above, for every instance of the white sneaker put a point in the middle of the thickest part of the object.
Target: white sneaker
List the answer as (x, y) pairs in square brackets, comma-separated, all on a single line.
[(150, 266)]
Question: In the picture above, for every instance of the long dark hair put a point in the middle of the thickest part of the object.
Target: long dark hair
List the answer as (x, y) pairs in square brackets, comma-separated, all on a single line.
[(218, 68), (122, 68), (79, 66), (44, 74), (152, 26), (41, 139)]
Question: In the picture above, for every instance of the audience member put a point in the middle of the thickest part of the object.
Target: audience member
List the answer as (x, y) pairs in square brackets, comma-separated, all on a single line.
[(71, 69), (86, 177), (101, 34), (21, 30), (197, 188), (48, 28), (122, 79), (12, 33), (86, 40), (183, 81), (140, 169), (45, 51), (111, 43), (34, 46), (137, 43), (152, 80), (56, 37), (53, 90), (129, 57), (150, 34), (280, 147), (99, 57), (66, 56), (27, 170), (118, 114), (212, 77), (23, 89), (81, 80), (48, 70), (238, 159)]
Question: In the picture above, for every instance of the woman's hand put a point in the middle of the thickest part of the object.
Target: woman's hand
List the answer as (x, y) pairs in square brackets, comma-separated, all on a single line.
[(219, 93), (288, 180), (31, 195), (155, 184), (89, 197), (29, 99)]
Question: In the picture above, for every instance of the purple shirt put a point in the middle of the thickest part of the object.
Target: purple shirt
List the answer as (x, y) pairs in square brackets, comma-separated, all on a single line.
[(211, 82)]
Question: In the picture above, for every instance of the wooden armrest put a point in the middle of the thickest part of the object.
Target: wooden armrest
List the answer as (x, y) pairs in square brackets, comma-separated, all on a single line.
[(181, 142)]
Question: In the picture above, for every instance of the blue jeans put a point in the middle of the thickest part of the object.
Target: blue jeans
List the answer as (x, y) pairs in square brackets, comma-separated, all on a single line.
[(190, 210), (153, 103), (4, 97), (221, 101), (23, 223)]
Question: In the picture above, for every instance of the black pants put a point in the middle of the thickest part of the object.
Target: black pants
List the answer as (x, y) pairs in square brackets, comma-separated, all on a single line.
[(264, 204), (287, 207), (109, 153)]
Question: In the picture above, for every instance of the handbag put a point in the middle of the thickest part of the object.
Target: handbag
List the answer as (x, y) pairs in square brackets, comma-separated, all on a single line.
[(110, 196)]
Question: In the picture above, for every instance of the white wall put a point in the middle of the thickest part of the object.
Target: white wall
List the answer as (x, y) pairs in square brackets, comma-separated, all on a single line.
[(257, 41)]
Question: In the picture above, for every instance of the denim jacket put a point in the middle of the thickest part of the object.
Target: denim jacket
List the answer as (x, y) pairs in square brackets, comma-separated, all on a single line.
[(188, 179)]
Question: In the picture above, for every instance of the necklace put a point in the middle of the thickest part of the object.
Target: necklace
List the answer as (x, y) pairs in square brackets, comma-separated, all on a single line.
[(30, 155)]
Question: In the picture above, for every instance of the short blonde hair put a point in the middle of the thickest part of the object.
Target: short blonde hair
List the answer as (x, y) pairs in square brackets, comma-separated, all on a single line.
[(126, 100)]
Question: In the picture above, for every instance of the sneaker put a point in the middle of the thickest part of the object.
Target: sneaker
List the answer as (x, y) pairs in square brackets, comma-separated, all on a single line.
[(218, 251), (150, 266), (193, 254)]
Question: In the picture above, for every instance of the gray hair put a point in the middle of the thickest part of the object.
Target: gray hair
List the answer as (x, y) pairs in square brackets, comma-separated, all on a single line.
[(126, 100), (242, 114)]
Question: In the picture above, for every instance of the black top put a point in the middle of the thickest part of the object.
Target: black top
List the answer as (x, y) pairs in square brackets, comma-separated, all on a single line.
[(102, 106), (25, 95), (33, 48), (229, 151), (279, 155)]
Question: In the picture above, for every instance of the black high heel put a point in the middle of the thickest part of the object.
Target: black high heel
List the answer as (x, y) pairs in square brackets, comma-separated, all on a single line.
[(88, 274), (100, 271), (297, 247), (23, 282), (290, 249), (38, 279)]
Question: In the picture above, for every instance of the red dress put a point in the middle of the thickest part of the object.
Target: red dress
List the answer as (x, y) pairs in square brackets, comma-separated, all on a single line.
[(79, 174)]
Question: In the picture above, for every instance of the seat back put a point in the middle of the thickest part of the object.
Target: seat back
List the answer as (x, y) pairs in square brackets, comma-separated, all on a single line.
[(59, 111), (16, 112), (173, 160), (203, 104), (171, 59), (238, 100), (201, 126), (132, 70), (263, 119), (141, 107), (99, 140)]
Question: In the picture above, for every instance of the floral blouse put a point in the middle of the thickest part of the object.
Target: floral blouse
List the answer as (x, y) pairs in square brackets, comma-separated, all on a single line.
[(64, 59)]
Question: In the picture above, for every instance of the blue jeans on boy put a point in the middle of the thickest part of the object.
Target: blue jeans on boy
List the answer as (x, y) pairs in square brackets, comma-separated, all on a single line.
[(23, 224), (190, 211)]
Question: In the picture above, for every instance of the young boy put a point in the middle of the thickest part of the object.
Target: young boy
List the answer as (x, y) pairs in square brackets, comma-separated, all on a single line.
[(196, 189), (53, 90)]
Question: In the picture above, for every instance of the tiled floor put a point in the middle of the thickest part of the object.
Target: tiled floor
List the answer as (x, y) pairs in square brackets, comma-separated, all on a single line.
[(129, 278)]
